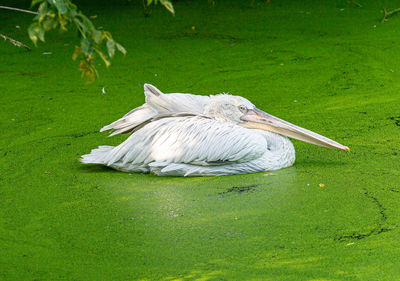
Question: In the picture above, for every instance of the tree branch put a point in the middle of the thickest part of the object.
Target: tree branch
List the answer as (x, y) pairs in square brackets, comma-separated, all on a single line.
[(14, 42), (388, 13), (18, 10)]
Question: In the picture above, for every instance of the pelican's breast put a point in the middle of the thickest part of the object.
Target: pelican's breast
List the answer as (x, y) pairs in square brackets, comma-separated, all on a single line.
[(280, 152)]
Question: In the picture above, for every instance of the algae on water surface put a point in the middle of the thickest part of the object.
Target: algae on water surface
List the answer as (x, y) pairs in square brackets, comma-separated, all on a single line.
[(329, 67)]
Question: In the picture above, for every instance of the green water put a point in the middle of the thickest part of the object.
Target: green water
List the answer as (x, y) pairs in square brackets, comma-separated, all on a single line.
[(323, 66)]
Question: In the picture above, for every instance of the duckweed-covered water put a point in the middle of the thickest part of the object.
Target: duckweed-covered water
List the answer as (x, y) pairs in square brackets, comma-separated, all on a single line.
[(331, 67)]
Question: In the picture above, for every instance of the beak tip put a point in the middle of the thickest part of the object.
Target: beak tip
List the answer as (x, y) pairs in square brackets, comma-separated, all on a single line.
[(347, 148)]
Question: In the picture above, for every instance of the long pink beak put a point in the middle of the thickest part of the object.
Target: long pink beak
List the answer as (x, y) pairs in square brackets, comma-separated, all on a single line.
[(258, 119)]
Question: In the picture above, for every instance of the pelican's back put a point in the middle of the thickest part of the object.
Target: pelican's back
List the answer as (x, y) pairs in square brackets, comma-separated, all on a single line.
[(157, 103)]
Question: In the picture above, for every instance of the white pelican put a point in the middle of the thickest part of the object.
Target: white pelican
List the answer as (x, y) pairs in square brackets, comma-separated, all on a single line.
[(192, 135)]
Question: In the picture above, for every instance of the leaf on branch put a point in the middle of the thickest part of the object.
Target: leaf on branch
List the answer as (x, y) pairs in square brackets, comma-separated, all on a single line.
[(32, 34), (107, 35), (63, 13), (43, 8), (81, 27), (389, 13), (86, 46), (88, 71), (35, 32), (121, 49), (103, 57), (110, 47), (14, 42), (76, 53), (61, 6), (49, 24), (63, 22), (168, 5), (35, 2), (86, 22), (97, 36), (40, 33)]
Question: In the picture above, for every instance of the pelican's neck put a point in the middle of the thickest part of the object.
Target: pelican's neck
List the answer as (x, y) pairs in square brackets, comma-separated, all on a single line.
[(280, 152)]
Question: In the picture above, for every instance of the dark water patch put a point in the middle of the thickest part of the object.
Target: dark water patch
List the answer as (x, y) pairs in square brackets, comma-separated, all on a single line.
[(396, 120), (392, 189), (79, 135), (96, 168), (302, 58), (240, 189), (30, 74), (22, 73), (359, 236), (378, 229), (340, 81), (378, 204), (75, 135)]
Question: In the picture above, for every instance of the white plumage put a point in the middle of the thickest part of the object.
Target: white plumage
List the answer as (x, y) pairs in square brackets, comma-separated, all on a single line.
[(192, 135)]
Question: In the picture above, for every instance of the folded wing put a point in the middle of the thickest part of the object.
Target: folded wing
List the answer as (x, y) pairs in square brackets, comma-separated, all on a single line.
[(157, 103), (191, 140)]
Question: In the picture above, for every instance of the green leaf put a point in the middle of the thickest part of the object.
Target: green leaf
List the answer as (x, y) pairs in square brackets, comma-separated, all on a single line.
[(63, 22), (121, 49), (49, 24), (97, 36), (43, 8), (35, 32), (73, 13), (87, 22), (88, 70), (42, 12), (63, 13), (103, 57), (61, 6), (149, 2), (35, 2), (86, 46), (78, 51), (40, 33), (32, 33), (107, 35), (168, 5), (81, 27), (110, 47), (40, 17)]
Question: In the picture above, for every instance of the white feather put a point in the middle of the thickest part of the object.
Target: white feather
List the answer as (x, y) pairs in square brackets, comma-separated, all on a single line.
[(157, 103), (206, 142)]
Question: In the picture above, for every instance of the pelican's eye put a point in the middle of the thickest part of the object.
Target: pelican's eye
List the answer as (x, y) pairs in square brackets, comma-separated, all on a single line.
[(242, 108)]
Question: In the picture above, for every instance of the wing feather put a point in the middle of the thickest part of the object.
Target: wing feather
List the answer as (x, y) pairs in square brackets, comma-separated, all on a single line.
[(157, 103), (130, 120), (192, 140)]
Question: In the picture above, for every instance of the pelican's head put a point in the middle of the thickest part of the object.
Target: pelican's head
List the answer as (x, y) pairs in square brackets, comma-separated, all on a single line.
[(238, 110), (227, 108)]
